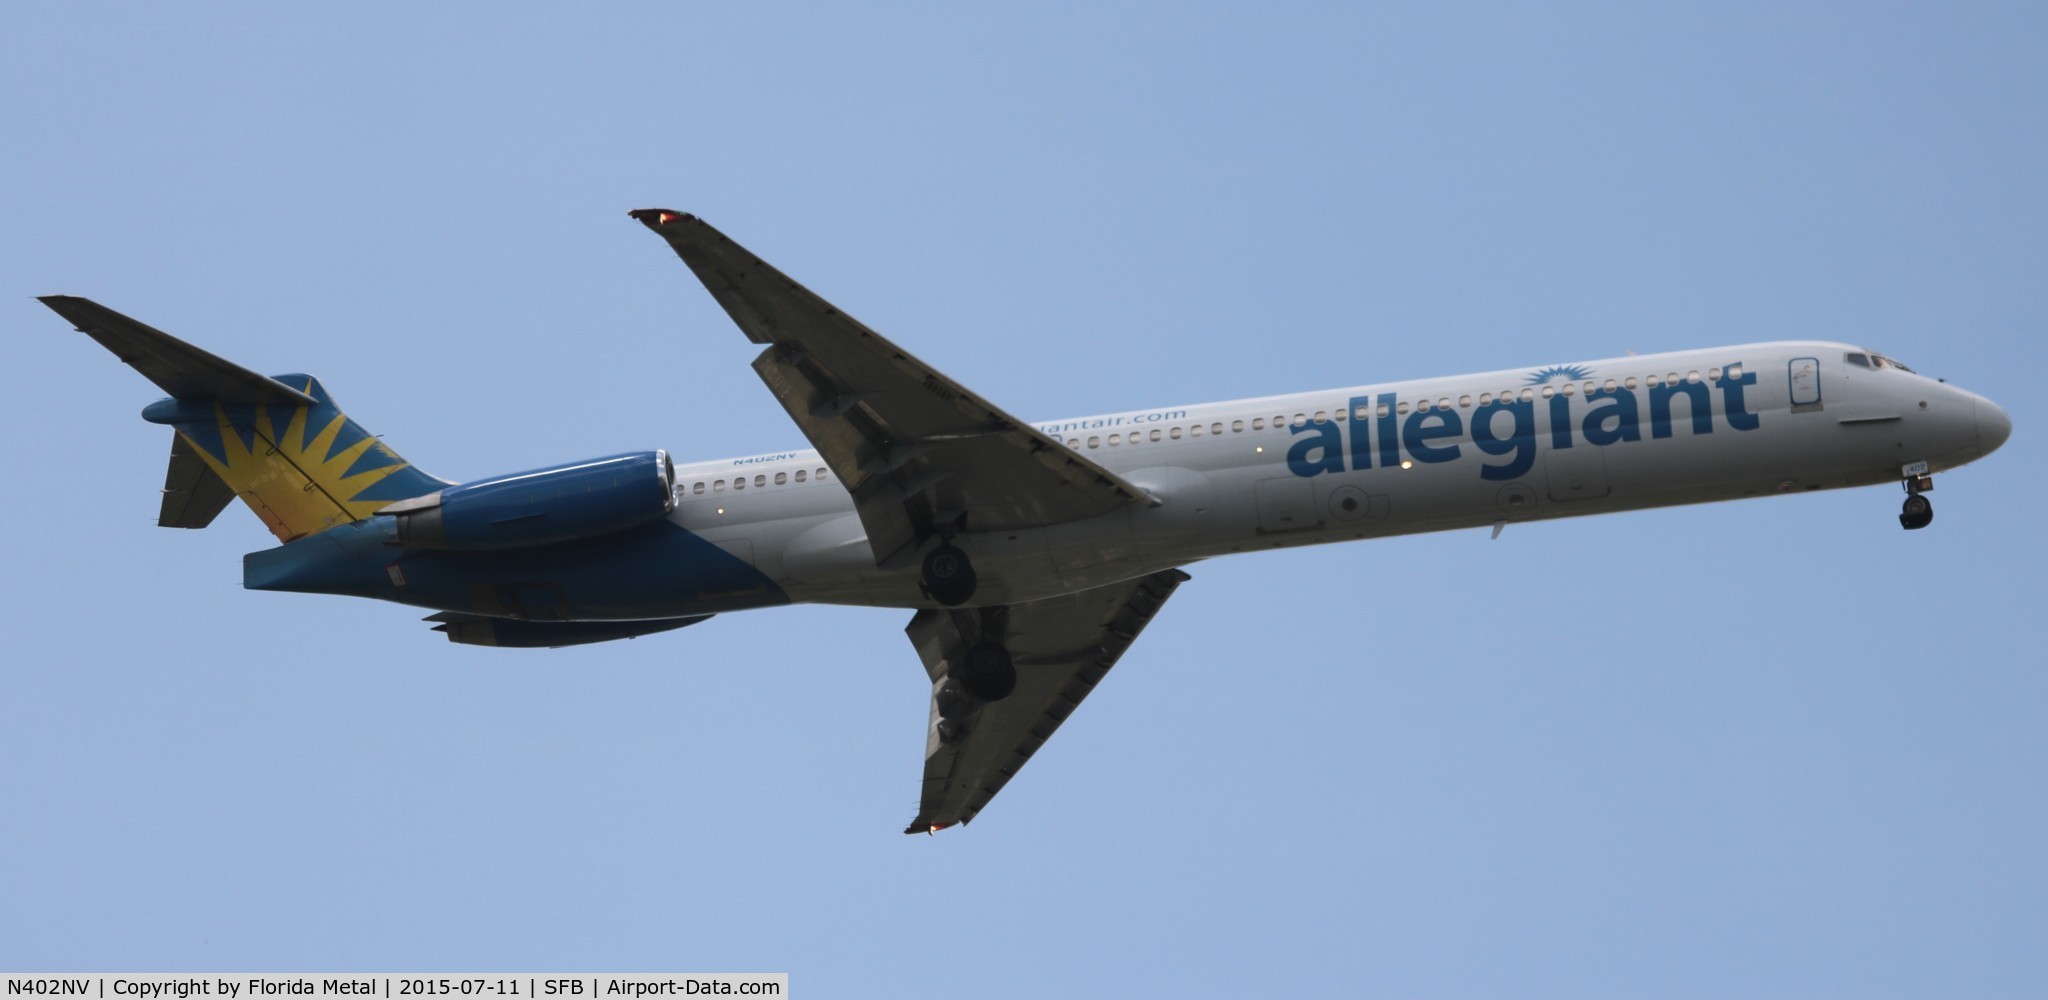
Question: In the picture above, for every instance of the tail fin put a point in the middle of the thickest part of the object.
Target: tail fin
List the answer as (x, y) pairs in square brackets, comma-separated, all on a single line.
[(280, 444)]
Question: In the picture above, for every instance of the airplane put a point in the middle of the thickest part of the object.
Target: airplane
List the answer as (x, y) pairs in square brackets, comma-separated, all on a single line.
[(1031, 554)]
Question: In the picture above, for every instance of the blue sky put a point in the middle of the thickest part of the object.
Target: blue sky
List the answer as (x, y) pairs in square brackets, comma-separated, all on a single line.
[(1767, 748)]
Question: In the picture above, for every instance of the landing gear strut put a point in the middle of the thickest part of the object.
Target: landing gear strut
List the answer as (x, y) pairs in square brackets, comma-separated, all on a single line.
[(1918, 511), (948, 576)]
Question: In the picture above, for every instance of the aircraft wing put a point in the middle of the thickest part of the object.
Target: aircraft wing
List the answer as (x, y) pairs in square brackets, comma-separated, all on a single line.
[(916, 449), (1061, 648)]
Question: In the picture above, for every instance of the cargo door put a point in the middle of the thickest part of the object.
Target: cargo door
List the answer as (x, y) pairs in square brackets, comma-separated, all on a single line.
[(1577, 473), (1285, 505)]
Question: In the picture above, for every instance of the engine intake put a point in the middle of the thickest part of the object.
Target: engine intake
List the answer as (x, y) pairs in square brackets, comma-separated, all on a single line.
[(542, 507)]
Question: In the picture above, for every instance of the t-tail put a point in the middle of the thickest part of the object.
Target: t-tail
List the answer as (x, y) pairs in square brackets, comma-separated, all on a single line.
[(280, 444)]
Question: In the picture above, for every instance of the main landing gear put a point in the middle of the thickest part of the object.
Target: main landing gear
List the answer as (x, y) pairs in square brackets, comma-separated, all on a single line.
[(986, 672), (948, 576), (983, 674), (1918, 511)]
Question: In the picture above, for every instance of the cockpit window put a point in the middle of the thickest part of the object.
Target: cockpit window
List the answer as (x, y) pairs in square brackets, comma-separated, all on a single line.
[(1883, 362), (1859, 360)]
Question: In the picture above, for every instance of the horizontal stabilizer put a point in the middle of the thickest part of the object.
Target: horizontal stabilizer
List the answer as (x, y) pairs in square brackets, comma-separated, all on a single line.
[(483, 630), (184, 371), (193, 493)]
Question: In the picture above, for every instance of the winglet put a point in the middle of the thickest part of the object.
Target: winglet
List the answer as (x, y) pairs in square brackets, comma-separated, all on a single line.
[(184, 371), (655, 218)]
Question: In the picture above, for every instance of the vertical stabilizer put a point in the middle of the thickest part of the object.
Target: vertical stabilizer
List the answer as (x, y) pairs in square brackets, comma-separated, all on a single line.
[(280, 444)]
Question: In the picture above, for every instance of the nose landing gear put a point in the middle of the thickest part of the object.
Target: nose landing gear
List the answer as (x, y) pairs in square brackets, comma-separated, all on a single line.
[(1918, 511)]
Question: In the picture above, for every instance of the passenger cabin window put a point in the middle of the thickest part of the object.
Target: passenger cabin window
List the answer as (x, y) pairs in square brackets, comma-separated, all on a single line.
[(1258, 423), (739, 483), (1154, 435), (800, 475), (1095, 442), (822, 474), (781, 478), (1237, 427), (1734, 371), (1486, 399), (761, 480), (697, 487), (1174, 433), (718, 487), (1216, 428), (1422, 406), (1195, 431), (1630, 382), (1114, 438), (1465, 401)]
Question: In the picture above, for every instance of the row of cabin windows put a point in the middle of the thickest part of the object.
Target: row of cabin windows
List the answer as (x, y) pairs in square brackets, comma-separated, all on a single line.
[(699, 487), (1525, 394)]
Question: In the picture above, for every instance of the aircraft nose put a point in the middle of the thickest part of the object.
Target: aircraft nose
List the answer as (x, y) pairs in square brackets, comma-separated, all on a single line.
[(1993, 425)]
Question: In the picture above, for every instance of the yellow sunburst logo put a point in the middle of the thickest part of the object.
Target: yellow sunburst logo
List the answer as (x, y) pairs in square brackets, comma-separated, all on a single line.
[(296, 484)]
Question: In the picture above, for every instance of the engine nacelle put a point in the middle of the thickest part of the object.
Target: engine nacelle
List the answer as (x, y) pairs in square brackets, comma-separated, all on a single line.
[(542, 507)]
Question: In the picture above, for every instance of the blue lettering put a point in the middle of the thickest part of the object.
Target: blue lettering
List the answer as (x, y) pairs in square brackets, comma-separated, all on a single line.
[(1731, 397), (1390, 438), (1611, 416), (1616, 405), (1560, 421), (1521, 439), (1418, 432), (1361, 448), (1323, 437), (1697, 402)]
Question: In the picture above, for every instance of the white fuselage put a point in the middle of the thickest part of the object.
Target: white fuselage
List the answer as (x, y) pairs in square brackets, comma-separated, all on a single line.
[(1376, 460)]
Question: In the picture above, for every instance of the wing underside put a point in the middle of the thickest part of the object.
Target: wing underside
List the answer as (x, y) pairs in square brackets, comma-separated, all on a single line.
[(1061, 649)]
